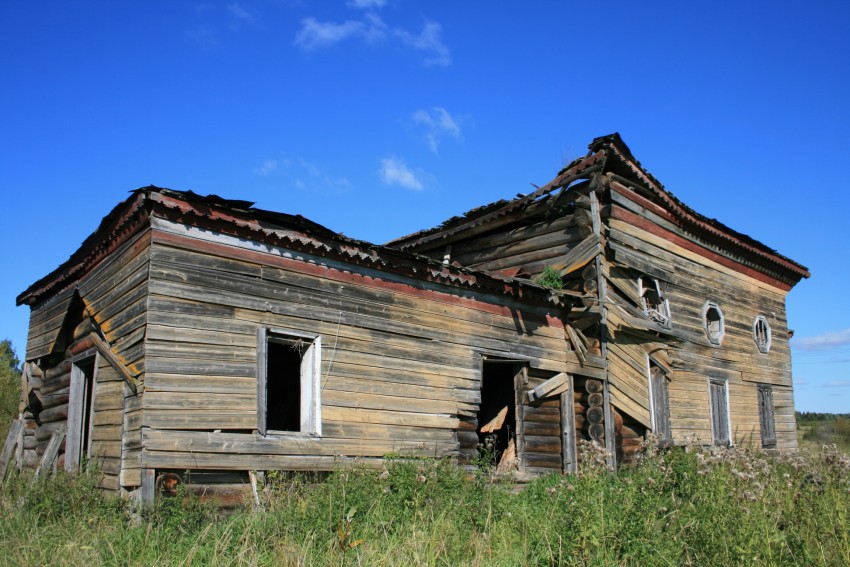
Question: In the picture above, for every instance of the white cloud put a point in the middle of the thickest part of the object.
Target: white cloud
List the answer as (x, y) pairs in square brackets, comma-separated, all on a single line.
[(429, 41), (241, 13), (837, 384), (314, 34), (371, 28), (395, 172), (367, 4), (437, 123), (302, 174), (825, 341), (266, 167)]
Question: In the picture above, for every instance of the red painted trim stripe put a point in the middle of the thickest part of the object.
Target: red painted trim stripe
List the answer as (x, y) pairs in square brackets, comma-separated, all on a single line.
[(227, 251), (638, 221)]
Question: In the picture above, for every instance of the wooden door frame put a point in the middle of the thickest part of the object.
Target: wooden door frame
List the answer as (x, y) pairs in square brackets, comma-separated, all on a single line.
[(77, 407)]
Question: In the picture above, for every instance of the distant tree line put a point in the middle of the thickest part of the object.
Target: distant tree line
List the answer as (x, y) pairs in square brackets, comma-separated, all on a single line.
[(814, 416)]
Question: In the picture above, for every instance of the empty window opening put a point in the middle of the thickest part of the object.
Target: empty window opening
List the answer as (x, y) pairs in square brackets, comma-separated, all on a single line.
[(762, 334), (660, 402), (766, 416), (713, 323), (288, 383), (719, 412), (497, 414), (653, 302)]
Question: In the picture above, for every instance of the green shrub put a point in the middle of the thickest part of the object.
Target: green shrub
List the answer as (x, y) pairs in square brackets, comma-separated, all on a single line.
[(551, 278)]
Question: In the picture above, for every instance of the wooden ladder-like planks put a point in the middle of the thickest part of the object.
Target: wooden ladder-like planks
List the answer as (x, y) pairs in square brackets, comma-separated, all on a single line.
[(50, 453), (14, 440)]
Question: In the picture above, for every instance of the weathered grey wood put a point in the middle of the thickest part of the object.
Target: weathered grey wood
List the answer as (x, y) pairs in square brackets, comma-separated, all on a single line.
[(49, 458), (544, 389), (569, 449), (520, 380), (106, 352), (147, 490), (660, 403), (767, 420), (14, 438), (719, 412)]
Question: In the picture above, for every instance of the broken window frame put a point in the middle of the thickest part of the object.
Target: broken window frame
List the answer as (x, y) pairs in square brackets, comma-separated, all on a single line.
[(719, 413), (659, 413), (762, 334), (715, 329), (81, 413), (660, 312), (309, 377), (767, 416)]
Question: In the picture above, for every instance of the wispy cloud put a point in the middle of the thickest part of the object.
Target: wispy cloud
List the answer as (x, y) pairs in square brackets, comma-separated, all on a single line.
[(266, 168), (437, 122), (837, 384), (302, 174), (823, 342), (367, 4), (213, 20), (430, 42), (315, 34), (241, 14), (394, 171)]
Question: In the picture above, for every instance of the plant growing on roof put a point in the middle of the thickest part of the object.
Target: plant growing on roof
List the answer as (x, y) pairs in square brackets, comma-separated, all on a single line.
[(550, 277)]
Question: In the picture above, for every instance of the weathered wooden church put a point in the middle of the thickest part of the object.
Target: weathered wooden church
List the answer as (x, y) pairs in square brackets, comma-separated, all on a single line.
[(203, 338)]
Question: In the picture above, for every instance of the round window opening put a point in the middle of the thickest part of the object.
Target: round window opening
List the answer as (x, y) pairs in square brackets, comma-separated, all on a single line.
[(762, 334), (713, 322)]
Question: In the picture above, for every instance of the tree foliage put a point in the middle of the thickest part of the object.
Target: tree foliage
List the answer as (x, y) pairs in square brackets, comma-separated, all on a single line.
[(10, 386)]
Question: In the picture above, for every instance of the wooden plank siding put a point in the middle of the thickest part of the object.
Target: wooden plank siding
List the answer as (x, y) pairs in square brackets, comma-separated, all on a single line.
[(114, 295), (400, 366), (689, 281)]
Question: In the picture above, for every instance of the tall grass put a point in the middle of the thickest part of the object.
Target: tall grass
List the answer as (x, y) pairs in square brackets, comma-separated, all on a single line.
[(682, 507)]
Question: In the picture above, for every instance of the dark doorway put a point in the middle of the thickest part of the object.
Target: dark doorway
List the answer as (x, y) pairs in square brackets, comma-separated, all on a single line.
[(283, 385), (87, 371), (497, 423)]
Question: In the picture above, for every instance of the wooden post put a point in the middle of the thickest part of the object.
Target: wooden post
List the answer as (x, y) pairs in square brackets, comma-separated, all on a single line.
[(610, 438), (14, 439), (569, 450), (147, 490), (50, 453)]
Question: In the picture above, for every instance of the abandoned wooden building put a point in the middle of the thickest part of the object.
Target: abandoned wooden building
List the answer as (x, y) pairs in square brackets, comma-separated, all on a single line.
[(201, 336)]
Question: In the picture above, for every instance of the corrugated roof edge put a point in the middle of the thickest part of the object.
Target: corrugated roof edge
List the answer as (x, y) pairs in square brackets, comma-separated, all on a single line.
[(131, 215)]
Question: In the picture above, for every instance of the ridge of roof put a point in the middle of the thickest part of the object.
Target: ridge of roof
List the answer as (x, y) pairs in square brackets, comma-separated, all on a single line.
[(610, 149)]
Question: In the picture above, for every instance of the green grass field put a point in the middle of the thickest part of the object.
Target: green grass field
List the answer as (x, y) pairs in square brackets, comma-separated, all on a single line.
[(682, 507)]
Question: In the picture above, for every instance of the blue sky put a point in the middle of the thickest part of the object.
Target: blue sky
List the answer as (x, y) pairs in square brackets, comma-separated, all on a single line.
[(379, 118)]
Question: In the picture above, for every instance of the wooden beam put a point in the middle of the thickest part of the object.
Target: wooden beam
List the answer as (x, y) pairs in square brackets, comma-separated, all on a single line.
[(147, 489), (547, 387), (50, 453), (578, 257), (603, 301), (13, 439), (103, 348)]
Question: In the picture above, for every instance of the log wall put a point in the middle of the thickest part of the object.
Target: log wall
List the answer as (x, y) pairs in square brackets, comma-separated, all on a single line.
[(689, 281), (400, 361), (111, 300)]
